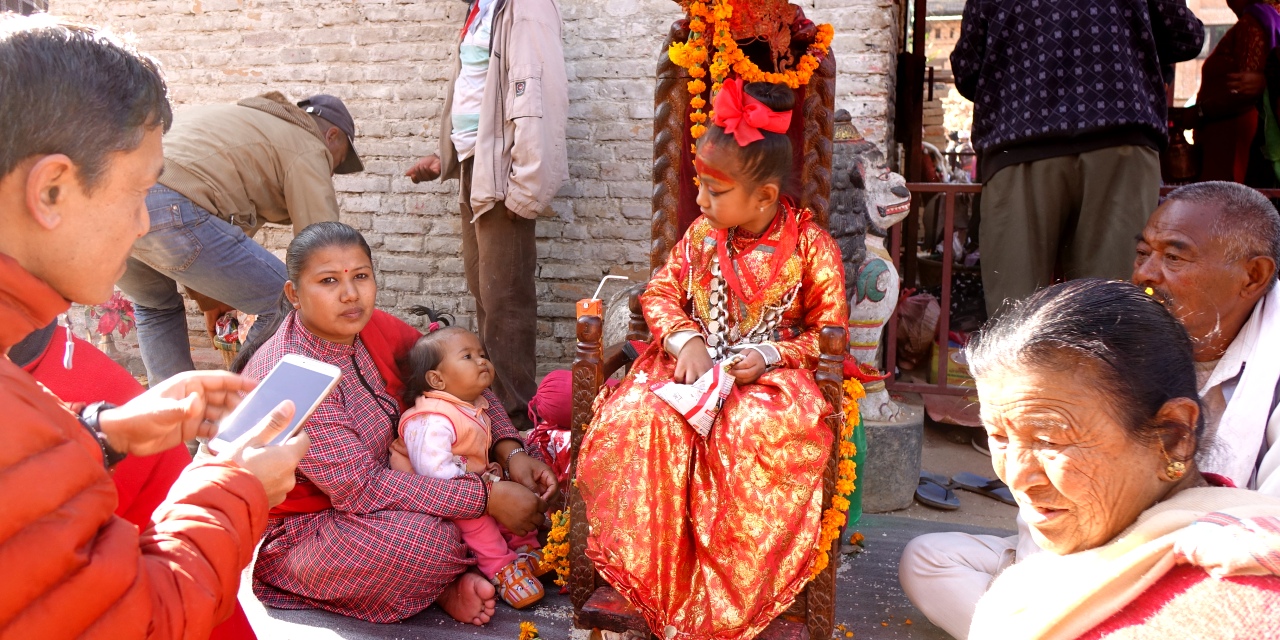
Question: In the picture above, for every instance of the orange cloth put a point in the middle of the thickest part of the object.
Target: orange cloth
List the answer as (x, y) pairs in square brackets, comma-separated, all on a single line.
[(472, 433), (716, 536), (84, 571), (142, 482)]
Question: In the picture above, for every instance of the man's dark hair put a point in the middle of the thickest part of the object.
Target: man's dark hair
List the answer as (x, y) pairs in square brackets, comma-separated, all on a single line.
[(767, 159), (74, 90), (1247, 223), (1139, 353)]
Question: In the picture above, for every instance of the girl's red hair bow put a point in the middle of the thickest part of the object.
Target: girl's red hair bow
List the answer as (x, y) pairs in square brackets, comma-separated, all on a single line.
[(744, 116)]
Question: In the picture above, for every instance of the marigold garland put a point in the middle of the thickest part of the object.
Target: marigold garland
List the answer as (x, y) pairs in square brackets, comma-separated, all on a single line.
[(692, 54), (555, 553), (835, 517)]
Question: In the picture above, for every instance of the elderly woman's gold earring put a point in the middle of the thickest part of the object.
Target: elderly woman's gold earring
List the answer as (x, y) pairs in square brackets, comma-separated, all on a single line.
[(1175, 469)]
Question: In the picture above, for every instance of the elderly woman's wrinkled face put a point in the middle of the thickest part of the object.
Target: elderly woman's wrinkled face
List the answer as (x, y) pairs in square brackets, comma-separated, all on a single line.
[(1079, 480)]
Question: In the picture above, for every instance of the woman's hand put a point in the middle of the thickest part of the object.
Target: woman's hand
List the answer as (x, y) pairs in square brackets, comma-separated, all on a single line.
[(1248, 84), (533, 475), (749, 368), (515, 507), (273, 466), (400, 456), (693, 361), (181, 408)]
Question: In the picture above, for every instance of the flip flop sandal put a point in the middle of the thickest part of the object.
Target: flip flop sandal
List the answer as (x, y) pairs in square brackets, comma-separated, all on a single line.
[(990, 487), (933, 492), (517, 586), (980, 445)]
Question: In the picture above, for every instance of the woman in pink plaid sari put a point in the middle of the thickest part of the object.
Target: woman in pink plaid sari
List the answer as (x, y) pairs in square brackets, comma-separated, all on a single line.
[(356, 537)]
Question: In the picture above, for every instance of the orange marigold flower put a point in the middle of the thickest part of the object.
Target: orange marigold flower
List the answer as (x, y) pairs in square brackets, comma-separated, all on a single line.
[(697, 86), (697, 130), (697, 102), (697, 25), (697, 72), (698, 117)]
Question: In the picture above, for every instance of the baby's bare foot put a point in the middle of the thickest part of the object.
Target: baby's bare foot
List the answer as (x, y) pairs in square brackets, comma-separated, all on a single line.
[(470, 599)]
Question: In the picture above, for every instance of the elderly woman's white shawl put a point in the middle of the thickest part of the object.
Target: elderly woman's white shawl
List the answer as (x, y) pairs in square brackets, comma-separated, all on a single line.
[(1049, 597)]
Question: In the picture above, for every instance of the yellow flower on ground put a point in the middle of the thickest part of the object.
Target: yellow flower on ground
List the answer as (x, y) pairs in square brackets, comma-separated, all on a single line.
[(528, 631)]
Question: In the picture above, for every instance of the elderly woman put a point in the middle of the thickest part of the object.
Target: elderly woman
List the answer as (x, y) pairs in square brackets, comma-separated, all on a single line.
[(1088, 395)]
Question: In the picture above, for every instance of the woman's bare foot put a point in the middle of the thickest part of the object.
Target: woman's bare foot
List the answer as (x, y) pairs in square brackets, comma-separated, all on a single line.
[(470, 598)]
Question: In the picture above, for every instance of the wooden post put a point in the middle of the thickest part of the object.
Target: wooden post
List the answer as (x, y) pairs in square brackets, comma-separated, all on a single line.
[(587, 378)]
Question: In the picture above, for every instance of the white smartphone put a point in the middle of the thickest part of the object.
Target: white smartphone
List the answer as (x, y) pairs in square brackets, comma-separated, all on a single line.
[(305, 381)]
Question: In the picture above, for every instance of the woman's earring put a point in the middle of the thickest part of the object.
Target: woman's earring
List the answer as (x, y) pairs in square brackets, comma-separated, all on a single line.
[(1175, 469), (297, 306)]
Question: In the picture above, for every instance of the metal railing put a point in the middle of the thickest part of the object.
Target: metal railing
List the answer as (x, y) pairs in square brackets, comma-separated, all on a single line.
[(919, 191)]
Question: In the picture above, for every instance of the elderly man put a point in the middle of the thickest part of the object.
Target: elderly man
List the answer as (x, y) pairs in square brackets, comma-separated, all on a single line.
[(228, 169), (81, 147), (1209, 253), (502, 137)]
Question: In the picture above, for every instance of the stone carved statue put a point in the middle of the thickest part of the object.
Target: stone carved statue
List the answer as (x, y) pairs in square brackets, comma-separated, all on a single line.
[(867, 199)]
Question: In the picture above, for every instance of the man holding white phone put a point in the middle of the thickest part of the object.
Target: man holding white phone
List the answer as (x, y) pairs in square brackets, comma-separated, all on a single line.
[(78, 155)]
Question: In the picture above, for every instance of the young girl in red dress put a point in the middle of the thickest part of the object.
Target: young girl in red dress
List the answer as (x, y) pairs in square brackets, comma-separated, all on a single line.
[(713, 537)]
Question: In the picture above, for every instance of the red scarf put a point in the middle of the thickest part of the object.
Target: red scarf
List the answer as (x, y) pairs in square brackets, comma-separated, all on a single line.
[(783, 248)]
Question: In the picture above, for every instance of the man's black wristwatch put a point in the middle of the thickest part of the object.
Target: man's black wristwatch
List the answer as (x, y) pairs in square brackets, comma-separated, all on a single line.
[(89, 418)]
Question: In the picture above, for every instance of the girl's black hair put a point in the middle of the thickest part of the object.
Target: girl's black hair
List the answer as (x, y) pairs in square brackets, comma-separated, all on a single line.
[(425, 356), (763, 160), (1139, 351), (315, 237)]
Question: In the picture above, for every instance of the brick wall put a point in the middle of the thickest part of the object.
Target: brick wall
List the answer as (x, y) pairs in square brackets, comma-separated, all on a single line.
[(388, 59)]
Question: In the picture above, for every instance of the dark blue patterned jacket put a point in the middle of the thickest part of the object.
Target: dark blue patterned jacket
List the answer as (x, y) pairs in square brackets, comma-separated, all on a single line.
[(1053, 73)]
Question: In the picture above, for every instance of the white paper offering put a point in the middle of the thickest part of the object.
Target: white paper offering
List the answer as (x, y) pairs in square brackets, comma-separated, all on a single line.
[(699, 402)]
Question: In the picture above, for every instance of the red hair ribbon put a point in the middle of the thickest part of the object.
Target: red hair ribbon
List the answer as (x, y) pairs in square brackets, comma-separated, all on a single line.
[(433, 326), (744, 116)]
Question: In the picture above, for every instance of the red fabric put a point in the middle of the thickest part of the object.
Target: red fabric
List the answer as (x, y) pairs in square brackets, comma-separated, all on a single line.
[(86, 572), (553, 403), (1189, 603), (389, 340), (142, 482), (744, 116)]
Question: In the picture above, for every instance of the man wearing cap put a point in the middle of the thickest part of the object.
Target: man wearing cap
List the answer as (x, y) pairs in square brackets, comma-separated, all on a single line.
[(228, 169)]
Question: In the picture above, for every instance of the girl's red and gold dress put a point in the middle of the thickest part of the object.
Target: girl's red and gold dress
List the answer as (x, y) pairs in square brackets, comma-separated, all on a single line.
[(715, 536)]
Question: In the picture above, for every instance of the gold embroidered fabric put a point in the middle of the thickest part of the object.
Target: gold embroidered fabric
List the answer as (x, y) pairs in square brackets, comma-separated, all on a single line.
[(715, 536)]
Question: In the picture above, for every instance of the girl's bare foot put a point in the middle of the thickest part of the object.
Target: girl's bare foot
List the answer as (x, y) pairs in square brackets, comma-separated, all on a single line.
[(470, 599)]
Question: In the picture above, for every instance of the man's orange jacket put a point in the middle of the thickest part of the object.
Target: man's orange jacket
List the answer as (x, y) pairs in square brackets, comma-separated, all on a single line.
[(70, 567)]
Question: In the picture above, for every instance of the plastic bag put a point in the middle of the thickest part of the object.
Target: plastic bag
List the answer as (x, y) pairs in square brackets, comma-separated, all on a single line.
[(699, 402)]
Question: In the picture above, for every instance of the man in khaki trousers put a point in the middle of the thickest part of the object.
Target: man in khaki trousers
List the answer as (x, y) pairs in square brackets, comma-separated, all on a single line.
[(1069, 119)]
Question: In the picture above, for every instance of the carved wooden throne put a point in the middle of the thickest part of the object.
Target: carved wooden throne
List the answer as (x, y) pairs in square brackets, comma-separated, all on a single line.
[(595, 603)]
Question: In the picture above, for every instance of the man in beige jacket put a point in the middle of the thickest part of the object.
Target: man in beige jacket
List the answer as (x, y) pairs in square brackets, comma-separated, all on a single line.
[(502, 136), (228, 169)]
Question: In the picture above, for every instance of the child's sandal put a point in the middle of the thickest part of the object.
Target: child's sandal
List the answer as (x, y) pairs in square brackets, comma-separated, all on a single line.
[(517, 585)]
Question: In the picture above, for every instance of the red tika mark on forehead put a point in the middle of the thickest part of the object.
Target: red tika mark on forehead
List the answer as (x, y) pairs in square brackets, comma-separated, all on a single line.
[(704, 169)]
